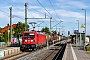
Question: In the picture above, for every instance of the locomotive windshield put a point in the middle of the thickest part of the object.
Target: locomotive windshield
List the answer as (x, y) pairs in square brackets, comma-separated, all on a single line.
[(27, 35)]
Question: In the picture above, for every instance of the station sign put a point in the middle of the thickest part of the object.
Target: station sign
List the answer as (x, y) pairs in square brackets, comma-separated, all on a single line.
[(75, 31)]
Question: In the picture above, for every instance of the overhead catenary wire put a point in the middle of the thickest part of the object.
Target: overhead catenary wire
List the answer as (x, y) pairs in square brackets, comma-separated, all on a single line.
[(55, 12), (38, 11), (31, 13), (21, 10), (54, 9), (18, 17), (17, 8), (43, 7), (4, 12), (13, 5), (9, 13), (41, 12), (41, 23), (47, 11)]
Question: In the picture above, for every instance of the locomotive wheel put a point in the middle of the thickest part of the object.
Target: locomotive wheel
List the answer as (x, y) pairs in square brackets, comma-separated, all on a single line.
[(37, 48), (22, 50)]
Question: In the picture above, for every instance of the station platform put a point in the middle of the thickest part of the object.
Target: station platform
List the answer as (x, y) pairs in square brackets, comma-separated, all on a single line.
[(8, 51), (75, 53)]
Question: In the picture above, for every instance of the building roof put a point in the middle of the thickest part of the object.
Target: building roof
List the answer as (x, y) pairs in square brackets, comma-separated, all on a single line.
[(8, 27)]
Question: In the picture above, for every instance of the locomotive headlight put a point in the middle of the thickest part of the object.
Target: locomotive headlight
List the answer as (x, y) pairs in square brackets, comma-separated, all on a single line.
[(25, 40), (32, 40)]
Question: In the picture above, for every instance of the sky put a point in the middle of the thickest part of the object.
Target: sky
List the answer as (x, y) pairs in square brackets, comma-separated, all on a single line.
[(64, 13)]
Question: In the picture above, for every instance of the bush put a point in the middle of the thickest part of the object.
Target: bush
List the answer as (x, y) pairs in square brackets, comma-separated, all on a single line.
[(87, 48)]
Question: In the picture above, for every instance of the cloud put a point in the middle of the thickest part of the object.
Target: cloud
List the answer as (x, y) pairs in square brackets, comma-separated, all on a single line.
[(71, 4), (23, 1), (67, 10), (14, 0), (78, 4), (31, 2), (69, 14), (35, 7), (4, 19)]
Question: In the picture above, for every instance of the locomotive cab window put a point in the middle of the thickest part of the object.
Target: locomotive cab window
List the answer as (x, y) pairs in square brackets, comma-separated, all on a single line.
[(27, 35), (31, 35)]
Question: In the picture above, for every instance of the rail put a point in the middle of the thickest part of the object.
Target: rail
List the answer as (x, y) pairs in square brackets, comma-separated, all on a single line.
[(59, 55)]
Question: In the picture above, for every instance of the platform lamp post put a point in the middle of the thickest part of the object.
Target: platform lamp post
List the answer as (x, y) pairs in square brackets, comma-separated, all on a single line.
[(85, 27), (78, 26)]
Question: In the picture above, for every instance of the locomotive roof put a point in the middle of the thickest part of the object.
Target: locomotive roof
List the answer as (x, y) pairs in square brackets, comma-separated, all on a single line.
[(38, 32)]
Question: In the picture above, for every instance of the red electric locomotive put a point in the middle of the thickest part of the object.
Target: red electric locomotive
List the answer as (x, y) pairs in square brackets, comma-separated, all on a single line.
[(32, 40)]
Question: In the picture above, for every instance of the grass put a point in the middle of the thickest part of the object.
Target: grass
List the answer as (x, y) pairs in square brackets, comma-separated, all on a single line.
[(88, 49), (88, 52)]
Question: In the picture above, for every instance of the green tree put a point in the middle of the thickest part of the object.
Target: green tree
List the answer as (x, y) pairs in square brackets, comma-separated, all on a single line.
[(54, 32), (58, 33), (20, 28), (46, 30), (4, 37), (0, 29)]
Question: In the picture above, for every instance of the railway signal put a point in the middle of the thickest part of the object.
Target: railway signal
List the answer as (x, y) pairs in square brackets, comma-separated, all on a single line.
[(68, 32)]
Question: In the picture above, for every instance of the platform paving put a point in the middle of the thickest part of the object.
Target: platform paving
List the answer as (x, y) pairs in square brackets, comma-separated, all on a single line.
[(77, 54), (69, 55)]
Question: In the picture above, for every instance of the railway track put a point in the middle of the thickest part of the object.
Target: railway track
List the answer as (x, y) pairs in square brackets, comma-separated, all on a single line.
[(48, 54), (56, 54), (41, 54), (59, 55), (51, 54), (20, 55)]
